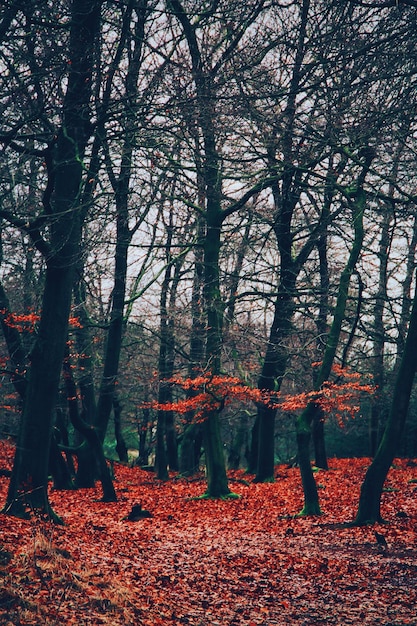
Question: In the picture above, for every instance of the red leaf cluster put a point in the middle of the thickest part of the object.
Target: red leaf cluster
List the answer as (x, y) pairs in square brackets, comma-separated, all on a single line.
[(339, 397), (240, 562)]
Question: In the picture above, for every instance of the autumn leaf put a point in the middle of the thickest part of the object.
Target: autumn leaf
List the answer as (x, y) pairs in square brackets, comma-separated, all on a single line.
[(206, 562)]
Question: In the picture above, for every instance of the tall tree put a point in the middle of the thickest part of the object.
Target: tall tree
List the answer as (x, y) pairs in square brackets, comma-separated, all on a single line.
[(356, 198), (29, 482), (204, 74), (370, 497)]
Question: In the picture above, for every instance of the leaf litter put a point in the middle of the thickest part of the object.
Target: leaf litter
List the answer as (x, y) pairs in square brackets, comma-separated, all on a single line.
[(246, 562)]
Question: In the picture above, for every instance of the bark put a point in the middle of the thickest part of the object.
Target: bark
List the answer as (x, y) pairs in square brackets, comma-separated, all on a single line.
[(86, 468), (29, 482), (121, 187), (321, 322), (121, 447), (217, 484), (378, 369), (166, 448), (191, 439), (274, 365), (371, 490), (17, 354), (357, 199), (90, 434), (143, 450), (239, 444), (190, 449), (286, 198), (319, 442)]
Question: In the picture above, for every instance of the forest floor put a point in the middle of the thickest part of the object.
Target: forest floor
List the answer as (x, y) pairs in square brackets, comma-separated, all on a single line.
[(248, 561)]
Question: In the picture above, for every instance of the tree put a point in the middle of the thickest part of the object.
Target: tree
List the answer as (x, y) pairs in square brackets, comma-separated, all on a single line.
[(204, 75), (357, 199), (371, 489), (28, 485)]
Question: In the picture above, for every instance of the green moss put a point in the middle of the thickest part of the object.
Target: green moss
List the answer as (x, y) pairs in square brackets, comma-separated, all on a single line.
[(228, 496), (308, 510)]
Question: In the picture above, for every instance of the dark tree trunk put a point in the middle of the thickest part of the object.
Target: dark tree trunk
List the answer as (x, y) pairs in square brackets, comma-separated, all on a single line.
[(91, 436), (190, 449), (371, 490), (275, 362), (305, 420), (121, 188), (254, 447), (286, 196), (12, 337), (379, 335), (121, 447), (217, 484), (191, 439), (266, 442), (143, 426), (161, 463), (59, 468), (238, 445), (166, 448), (319, 442), (311, 500), (86, 466), (29, 482)]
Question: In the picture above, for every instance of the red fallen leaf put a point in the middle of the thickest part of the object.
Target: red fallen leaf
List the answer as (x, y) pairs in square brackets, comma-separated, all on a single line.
[(213, 562)]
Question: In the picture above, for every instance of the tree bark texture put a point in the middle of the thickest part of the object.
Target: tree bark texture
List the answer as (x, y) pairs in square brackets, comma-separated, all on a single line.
[(371, 490), (28, 485), (305, 420)]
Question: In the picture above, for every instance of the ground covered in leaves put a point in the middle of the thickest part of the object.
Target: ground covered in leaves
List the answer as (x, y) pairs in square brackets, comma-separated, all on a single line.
[(213, 563)]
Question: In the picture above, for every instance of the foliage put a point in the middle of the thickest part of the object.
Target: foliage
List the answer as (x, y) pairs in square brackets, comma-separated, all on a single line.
[(207, 392), (339, 397), (244, 562), (28, 322)]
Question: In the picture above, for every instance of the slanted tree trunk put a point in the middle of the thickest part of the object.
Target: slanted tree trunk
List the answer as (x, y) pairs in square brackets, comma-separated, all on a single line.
[(370, 497), (29, 481), (377, 408), (357, 200)]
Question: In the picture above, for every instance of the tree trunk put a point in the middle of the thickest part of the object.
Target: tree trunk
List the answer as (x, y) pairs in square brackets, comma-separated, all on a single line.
[(217, 484), (91, 436), (371, 490), (190, 449), (379, 333), (276, 357), (305, 419), (311, 500), (122, 191), (29, 482), (121, 448), (266, 442), (143, 452), (319, 442)]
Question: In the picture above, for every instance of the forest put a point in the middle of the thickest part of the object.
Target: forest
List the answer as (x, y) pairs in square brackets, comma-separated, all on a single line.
[(208, 250)]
